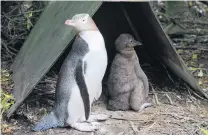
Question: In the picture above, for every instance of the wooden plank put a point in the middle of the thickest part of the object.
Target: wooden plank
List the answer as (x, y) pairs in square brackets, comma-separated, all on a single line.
[(44, 45)]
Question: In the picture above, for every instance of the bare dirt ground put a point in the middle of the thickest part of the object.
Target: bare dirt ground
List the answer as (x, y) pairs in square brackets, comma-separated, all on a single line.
[(175, 114)]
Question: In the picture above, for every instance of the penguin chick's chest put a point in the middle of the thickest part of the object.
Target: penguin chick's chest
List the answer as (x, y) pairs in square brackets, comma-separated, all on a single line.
[(96, 59), (125, 67)]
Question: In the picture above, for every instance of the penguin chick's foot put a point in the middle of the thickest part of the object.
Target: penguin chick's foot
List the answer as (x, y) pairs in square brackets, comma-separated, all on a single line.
[(98, 117), (145, 105), (86, 127)]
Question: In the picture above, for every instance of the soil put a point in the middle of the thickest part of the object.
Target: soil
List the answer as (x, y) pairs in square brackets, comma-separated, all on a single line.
[(178, 114)]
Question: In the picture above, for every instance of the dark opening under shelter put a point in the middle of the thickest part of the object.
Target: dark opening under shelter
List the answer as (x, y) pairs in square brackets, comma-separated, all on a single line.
[(50, 37)]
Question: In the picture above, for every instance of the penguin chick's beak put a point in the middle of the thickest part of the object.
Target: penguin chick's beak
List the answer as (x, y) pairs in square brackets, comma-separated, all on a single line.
[(137, 43), (69, 22)]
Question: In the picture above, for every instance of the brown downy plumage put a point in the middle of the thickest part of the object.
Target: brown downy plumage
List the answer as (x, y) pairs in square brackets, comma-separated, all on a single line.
[(128, 85)]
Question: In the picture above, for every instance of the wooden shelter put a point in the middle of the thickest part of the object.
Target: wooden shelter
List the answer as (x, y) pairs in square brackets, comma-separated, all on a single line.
[(50, 37)]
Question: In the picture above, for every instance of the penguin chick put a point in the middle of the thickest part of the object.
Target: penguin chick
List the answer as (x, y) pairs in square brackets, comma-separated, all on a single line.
[(127, 83), (80, 79)]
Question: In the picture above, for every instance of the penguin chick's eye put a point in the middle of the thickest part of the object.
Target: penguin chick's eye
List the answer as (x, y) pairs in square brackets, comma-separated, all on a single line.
[(131, 41), (83, 20)]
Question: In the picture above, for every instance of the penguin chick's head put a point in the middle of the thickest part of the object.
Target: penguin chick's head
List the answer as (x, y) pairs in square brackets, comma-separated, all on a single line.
[(126, 42), (82, 22)]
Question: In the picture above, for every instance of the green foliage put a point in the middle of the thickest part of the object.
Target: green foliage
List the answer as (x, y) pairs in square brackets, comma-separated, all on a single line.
[(180, 51), (28, 20), (190, 3), (194, 56), (204, 131), (5, 76), (7, 101), (6, 98)]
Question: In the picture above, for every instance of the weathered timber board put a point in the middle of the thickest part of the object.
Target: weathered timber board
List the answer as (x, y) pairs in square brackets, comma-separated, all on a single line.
[(44, 45)]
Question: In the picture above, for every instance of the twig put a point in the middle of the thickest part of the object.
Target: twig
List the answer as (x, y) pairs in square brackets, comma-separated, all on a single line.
[(34, 11), (176, 23), (18, 6), (155, 95), (167, 72), (173, 20), (7, 49), (186, 40), (146, 129), (169, 98), (190, 47), (128, 119), (190, 31), (125, 119), (134, 128), (191, 91), (168, 27), (194, 22)]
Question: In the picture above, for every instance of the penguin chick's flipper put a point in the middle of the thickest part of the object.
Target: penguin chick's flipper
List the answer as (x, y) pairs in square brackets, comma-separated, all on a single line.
[(47, 122), (86, 127)]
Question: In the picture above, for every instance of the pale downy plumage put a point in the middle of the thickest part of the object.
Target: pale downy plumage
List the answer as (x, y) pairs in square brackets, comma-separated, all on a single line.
[(80, 79)]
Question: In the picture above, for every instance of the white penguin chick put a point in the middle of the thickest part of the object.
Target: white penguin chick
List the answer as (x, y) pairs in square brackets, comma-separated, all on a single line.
[(80, 79)]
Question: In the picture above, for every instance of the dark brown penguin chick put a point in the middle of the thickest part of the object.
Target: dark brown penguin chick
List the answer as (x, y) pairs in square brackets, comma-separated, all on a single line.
[(128, 85)]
